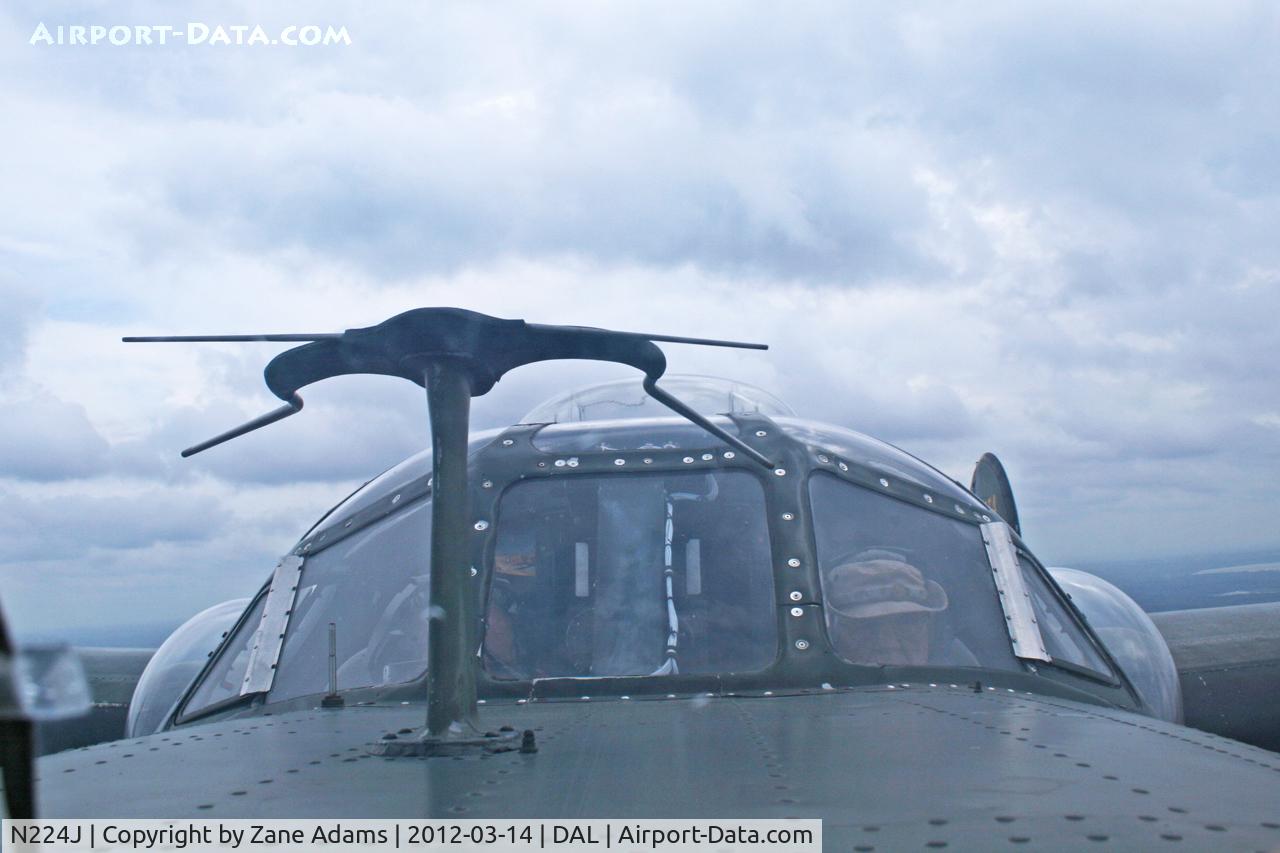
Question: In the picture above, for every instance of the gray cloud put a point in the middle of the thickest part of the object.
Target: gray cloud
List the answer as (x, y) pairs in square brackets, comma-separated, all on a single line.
[(1045, 231), (48, 439), (74, 525)]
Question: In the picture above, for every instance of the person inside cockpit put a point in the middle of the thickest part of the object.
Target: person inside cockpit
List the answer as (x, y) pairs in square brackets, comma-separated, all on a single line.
[(880, 609)]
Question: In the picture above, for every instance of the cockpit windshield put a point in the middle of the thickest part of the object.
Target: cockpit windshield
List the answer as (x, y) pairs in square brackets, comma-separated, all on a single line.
[(373, 588), (903, 585), (631, 575)]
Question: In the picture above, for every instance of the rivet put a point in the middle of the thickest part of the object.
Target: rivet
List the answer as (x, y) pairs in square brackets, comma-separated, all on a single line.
[(761, 433), (795, 595), (648, 461), (707, 457), (395, 500), (619, 462), (488, 484), (802, 644), (729, 454), (781, 472), (482, 525), (474, 572), (573, 463), (986, 518), (688, 460), (959, 509), (843, 467), (542, 465), (793, 562), (506, 442), (797, 611), (788, 516), (559, 463), (884, 482), (928, 499), (350, 521), (823, 458)]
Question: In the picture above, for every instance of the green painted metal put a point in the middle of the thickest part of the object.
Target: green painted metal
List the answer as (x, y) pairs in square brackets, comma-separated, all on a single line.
[(451, 680)]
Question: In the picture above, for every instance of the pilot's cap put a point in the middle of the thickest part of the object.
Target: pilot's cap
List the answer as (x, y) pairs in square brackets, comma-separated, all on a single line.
[(881, 586)]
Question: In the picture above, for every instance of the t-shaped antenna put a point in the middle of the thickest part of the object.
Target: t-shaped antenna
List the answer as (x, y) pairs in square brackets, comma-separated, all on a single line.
[(456, 355)]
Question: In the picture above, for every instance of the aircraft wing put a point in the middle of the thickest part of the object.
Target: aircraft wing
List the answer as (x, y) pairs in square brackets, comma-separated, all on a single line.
[(112, 674), (1228, 661), (907, 767)]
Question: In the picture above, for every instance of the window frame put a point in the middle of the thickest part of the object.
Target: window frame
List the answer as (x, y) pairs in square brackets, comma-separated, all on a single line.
[(776, 603), (1115, 678), (182, 715)]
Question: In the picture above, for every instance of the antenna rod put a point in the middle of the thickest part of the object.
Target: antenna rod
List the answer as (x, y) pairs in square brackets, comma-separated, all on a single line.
[(674, 339), (187, 339), (290, 408), (707, 342), (451, 677), (681, 408), (333, 659)]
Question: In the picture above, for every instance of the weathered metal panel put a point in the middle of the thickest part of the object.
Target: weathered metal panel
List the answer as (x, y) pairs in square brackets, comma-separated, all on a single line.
[(264, 653), (1020, 617)]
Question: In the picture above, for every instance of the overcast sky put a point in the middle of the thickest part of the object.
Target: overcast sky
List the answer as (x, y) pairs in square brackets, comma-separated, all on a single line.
[(1047, 230)]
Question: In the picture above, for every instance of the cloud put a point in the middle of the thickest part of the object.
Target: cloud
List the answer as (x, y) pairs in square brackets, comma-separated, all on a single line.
[(73, 524), (1046, 232), (47, 439)]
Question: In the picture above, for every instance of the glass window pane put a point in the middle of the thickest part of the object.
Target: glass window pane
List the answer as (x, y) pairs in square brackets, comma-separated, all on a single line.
[(373, 586), (903, 585), (631, 575), (1064, 640), (225, 677)]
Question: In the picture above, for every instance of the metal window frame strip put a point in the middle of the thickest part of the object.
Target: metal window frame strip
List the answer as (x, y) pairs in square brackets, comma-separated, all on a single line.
[(1015, 600), (260, 673)]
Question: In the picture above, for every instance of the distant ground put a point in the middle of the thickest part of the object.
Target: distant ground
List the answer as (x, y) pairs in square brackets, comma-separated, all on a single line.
[(1186, 583), (1176, 583), (145, 636)]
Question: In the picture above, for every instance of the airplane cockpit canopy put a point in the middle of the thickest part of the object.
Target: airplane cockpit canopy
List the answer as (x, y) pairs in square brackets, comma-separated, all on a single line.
[(614, 551), (626, 399)]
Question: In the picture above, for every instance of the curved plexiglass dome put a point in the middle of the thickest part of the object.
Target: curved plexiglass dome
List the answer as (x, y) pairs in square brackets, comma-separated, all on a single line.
[(1131, 637), (178, 660), (626, 399)]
